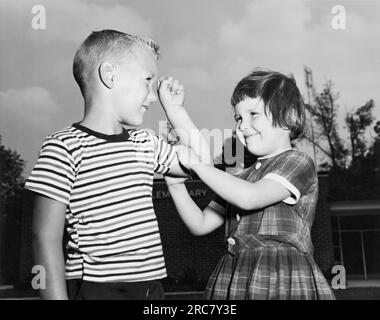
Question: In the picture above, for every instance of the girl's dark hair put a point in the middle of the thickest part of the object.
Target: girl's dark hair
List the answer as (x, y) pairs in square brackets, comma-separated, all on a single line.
[(280, 95)]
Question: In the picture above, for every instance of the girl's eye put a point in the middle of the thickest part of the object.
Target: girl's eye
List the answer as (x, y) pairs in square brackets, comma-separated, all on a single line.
[(237, 119), (253, 114)]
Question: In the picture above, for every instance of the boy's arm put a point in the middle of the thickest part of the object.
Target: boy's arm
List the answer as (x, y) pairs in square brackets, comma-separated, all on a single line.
[(198, 222), (171, 94), (48, 226)]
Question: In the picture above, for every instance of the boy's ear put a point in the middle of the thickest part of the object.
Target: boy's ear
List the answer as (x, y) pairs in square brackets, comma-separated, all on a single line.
[(106, 73)]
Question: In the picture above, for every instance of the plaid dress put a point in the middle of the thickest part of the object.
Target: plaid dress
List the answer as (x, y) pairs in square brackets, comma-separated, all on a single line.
[(269, 254)]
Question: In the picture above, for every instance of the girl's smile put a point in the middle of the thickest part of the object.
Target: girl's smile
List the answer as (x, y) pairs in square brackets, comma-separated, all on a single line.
[(256, 129)]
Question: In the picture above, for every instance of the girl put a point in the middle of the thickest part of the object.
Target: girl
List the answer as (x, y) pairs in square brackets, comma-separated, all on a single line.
[(268, 210)]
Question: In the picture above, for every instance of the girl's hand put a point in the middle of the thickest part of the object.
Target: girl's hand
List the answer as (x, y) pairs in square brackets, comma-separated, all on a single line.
[(171, 93), (170, 181)]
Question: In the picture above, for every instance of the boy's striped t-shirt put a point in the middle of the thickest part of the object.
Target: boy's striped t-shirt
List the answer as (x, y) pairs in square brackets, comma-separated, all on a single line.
[(106, 182)]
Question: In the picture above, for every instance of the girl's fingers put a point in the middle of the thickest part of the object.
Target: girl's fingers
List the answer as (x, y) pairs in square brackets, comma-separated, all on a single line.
[(175, 86), (181, 88), (165, 82), (160, 81), (171, 84)]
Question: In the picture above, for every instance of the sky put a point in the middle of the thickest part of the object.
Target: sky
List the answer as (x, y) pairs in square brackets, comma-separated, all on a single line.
[(208, 44)]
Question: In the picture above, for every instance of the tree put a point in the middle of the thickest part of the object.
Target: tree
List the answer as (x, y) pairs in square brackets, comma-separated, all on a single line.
[(357, 123), (373, 157), (354, 167), (375, 149), (11, 168), (323, 110), (11, 185)]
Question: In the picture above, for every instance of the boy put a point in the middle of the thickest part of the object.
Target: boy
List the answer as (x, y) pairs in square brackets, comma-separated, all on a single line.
[(98, 177)]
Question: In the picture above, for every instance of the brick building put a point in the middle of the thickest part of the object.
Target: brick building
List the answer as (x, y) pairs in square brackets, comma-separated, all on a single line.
[(184, 251), (356, 237), (189, 259)]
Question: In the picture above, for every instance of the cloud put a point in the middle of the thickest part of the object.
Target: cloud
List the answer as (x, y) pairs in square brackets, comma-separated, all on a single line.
[(26, 117), (28, 101), (190, 51), (73, 20), (287, 35), (208, 47)]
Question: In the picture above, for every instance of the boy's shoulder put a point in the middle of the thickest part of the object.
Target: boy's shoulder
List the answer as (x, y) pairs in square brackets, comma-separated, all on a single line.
[(69, 137), (63, 134), (147, 136), (72, 138), (141, 134)]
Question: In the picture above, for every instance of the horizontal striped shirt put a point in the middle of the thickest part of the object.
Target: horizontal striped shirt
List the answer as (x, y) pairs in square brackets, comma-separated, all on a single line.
[(106, 181)]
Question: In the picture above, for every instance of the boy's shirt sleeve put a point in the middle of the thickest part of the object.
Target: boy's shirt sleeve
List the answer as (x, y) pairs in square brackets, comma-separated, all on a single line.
[(296, 172), (164, 156), (53, 173)]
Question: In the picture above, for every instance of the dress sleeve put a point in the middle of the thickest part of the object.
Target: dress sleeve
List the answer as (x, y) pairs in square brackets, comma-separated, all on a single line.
[(53, 174), (296, 172), (164, 155)]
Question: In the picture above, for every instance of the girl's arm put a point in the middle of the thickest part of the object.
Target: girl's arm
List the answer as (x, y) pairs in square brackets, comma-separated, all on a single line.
[(240, 193), (171, 94), (198, 222)]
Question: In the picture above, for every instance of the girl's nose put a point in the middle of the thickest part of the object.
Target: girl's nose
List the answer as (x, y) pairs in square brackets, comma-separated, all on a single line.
[(243, 126)]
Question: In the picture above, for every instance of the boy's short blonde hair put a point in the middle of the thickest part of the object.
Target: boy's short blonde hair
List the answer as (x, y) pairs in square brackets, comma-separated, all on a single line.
[(100, 45)]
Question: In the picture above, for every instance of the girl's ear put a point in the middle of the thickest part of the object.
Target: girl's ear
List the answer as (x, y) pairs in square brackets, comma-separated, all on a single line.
[(106, 74)]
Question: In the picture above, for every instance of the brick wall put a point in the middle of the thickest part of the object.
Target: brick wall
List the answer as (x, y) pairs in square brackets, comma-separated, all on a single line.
[(183, 251), (321, 232)]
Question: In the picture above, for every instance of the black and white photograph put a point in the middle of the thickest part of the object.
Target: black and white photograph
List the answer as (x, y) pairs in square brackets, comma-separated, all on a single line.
[(208, 150)]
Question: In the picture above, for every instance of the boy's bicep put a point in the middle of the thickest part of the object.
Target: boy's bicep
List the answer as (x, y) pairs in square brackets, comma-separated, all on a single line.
[(164, 156), (166, 160), (53, 174), (177, 169), (48, 217)]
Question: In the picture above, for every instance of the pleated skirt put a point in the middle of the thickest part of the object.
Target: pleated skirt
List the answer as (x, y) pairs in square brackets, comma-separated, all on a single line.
[(268, 273)]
